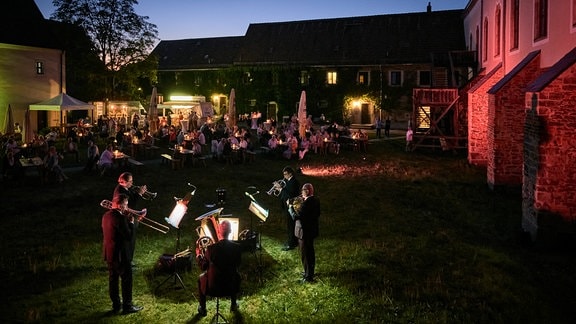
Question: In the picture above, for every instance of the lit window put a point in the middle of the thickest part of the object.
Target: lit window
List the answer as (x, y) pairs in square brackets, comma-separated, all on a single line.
[(39, 67), (395, 78), (247, 78), (364, 77), (423, 117), (331, 77)]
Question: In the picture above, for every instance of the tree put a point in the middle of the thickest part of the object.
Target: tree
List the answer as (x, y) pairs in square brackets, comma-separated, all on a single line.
[(121, 38)]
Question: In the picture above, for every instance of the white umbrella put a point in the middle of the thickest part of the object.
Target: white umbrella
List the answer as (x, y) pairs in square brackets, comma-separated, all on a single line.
[(302, 115), (232, 109), (153, 111)]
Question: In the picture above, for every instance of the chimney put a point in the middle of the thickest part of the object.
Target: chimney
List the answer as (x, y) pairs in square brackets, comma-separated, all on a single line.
[(429, 7)]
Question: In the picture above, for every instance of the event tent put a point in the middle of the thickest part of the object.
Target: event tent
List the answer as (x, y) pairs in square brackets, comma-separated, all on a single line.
[(60, 103)]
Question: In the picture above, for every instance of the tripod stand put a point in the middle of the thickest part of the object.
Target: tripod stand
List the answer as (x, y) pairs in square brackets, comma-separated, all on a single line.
[(175, 274)]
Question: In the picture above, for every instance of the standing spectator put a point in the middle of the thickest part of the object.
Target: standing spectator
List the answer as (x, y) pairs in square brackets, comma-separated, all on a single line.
[(378, 125), (409, 135), (117, 227), (290, 190), (387, 127)]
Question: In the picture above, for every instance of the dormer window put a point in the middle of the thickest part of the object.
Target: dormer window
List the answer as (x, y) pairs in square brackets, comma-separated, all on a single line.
[(39, 67)]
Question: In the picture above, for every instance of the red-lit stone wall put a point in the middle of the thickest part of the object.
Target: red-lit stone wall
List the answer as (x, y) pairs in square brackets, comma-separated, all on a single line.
[(506, 113), (478, 118), (549, 190)]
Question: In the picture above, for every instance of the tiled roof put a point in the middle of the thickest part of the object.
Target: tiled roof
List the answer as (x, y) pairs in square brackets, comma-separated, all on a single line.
[(368, 40), (552, 73), (531, 56), (197, 53)]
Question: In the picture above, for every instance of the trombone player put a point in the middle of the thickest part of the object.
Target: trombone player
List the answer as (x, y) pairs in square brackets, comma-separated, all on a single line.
[(126, 187), (290, 190)]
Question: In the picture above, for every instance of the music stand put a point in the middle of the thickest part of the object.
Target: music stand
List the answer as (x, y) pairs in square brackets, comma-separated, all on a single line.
[(262, 215), (174, 219)]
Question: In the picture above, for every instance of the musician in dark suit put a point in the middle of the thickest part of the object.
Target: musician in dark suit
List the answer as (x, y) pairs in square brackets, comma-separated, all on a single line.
[(290, 190), (117, 235), (125, 183), (220, 264), (308, 216)]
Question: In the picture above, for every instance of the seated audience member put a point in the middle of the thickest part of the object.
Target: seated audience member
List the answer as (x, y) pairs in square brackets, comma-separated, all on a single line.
[(106, 159), (93, 154), (70, 147), (10, 164), (220, 264), (52, 165)]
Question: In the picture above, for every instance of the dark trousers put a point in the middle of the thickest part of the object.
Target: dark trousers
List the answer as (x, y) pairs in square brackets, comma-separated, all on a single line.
[(133, 241), (291, 240), (378, 132), (116, 272), (308, 257), (203, 291)]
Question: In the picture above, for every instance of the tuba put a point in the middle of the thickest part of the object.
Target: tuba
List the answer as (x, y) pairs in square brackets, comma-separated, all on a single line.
[(140, 215), (277, 187)]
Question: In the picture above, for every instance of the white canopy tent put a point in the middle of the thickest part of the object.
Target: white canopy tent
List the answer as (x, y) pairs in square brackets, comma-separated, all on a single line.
[(60, 103)]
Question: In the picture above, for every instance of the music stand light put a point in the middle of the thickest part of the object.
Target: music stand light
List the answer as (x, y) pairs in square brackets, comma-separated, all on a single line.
[(177, 214), (258, 210)]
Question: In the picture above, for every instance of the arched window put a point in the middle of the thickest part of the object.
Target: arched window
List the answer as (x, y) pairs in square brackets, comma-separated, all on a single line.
[(485, 45), (540, 19), (515, 24), (497, 28)]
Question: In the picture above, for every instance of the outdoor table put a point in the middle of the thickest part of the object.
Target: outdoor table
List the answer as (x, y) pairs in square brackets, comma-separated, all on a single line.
[(35, 162)]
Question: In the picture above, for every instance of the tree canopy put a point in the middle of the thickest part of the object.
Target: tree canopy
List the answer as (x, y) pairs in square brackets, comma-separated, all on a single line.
[(120, 36)]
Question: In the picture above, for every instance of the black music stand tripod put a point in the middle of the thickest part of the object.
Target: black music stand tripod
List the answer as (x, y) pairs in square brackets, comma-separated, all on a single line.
[(174, 220), (262, 215), (175, 274)]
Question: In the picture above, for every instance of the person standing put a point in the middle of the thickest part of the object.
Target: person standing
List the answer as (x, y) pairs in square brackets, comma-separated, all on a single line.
[(290, 190), (387, 127), (378, 125), (307, 230), (117, 230), (125, 183), (219, 264), (93, 155), (409, 136)]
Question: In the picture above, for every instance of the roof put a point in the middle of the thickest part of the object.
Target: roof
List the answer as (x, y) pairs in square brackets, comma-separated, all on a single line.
[(500, 84), (22, 23), (552, 73), (197, 53), (367, 40), (382, 39)]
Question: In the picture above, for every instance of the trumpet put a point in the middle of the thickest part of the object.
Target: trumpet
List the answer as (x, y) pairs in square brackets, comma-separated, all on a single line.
[(146, 195), (277, 187), (140, 215)]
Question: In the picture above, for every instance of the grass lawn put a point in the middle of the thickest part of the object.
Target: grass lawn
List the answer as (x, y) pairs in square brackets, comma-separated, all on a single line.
[(404, 238)]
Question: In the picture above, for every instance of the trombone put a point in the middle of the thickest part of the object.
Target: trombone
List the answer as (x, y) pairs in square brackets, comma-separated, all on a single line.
[(140, 215), (146, 195)]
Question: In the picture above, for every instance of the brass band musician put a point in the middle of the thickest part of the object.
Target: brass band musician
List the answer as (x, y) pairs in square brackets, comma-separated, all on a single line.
[(306, 217), (220, 262), (117, 235), (290, 190), (124, 187)]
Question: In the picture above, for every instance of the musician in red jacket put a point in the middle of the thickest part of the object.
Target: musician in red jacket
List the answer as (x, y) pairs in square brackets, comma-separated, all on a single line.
[(220, 262), (117, 228)]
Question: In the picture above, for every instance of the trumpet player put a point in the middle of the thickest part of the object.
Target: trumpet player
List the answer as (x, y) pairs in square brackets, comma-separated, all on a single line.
[(306, 219), (125, 183), (290, 190), (117, 233)]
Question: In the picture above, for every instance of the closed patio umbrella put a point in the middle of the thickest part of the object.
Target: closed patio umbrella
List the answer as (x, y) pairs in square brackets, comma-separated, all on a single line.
[(153, 111), (232, 109), (302, 123)]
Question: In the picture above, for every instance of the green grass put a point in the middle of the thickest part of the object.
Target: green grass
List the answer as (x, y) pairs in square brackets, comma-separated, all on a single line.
[(405, 238)]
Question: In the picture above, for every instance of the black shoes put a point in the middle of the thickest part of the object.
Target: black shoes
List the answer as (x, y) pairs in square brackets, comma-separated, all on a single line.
[(131, 309), (202, 311)]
